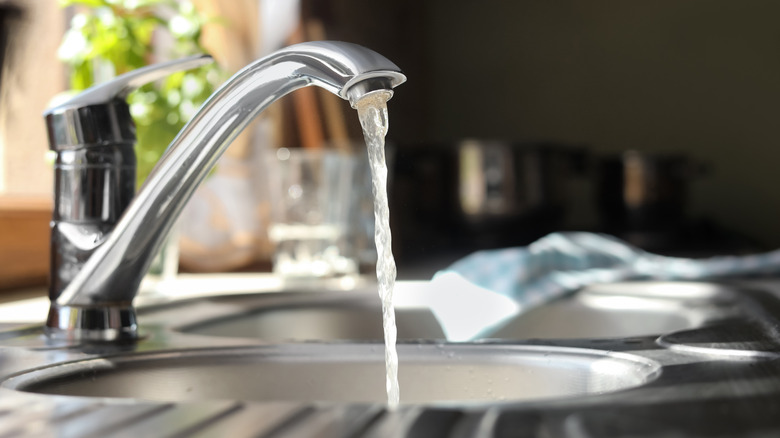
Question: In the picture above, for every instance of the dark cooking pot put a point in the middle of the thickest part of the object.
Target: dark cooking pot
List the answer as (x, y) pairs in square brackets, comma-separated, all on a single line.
[(638, 192), (502, 182), (481, 193)]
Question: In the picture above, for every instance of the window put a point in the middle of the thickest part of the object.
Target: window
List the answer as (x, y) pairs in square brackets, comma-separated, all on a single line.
[(31, 76)]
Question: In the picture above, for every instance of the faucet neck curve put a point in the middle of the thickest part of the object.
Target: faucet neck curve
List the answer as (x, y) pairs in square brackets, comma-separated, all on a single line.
[(112, 275)]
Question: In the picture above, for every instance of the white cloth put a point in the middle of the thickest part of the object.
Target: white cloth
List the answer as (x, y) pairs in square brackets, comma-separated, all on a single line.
[(558, 264)]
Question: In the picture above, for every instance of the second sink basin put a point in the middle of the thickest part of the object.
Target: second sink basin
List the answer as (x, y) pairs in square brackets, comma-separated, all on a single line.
[(605, 311), (355, 318)]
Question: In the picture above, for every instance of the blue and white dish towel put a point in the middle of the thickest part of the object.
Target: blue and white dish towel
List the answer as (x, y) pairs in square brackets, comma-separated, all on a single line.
[(484, 289)]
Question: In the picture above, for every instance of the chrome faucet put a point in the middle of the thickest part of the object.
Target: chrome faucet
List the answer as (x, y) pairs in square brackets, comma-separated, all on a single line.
[(99, 258)]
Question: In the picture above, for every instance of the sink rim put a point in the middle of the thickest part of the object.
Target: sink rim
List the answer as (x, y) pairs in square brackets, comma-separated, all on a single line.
[(593, 299), (642, 369)]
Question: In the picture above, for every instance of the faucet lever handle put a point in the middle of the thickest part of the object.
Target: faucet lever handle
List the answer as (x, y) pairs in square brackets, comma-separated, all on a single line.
[(100, 115), (124, 84), (93, 135)]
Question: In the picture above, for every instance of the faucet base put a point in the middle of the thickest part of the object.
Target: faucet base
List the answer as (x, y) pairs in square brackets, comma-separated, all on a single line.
[(104, 323)]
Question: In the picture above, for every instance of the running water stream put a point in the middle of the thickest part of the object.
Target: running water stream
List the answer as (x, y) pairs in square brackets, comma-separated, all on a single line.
[(372, 110)]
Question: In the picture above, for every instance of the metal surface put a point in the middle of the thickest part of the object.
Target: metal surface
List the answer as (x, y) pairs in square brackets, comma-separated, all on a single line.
[(475, 194), (359, 319), (644, 192), (616, 310), (503, 181), (92, 323), (99, 116), (702, 392), (93, 135), (600, 311), (119, 258), (347, 373)]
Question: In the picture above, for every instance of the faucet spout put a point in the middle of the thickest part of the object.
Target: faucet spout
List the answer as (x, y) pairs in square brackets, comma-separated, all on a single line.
[(111, 277)]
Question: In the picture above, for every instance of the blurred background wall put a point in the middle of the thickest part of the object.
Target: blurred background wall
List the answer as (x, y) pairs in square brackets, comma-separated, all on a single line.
[(31, 76), (694, 78), (698, 78)]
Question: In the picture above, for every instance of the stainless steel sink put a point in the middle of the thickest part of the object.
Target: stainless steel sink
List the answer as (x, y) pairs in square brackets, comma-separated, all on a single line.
[(173, 382), (621, 310), (356, 317), (613, 311), (429, 373)]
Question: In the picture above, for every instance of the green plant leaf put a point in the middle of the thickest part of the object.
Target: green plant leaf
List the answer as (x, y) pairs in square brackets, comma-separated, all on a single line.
[(87, 3), (119, 34)]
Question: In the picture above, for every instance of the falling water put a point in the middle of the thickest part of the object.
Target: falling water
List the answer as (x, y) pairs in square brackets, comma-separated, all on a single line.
[(372, 110)]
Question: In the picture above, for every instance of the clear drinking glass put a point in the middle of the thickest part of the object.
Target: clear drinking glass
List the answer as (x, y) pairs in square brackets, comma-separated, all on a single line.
[(312, 202)]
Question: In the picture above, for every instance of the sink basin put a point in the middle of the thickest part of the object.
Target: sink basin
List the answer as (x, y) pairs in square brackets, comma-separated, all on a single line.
[(614, 311), (620, 310), (429, 373), (356, 317)]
